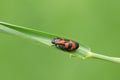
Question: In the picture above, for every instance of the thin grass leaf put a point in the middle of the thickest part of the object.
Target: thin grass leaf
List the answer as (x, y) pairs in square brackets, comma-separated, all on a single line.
[(46, 38), (39, 36)]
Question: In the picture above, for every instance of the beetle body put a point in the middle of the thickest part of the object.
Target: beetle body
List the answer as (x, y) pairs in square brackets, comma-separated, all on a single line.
[(65, 44)]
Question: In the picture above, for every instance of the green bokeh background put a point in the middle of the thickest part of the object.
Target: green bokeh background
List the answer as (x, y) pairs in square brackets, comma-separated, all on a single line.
[(95, 23)]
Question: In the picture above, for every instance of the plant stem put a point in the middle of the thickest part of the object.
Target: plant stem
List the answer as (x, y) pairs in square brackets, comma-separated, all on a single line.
[(104, 57)]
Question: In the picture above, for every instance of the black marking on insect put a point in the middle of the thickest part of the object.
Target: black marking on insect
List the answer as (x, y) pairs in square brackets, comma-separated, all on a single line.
[(65, 44)]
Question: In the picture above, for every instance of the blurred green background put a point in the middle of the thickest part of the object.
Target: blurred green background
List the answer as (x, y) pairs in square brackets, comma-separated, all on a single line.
[(95, 23)]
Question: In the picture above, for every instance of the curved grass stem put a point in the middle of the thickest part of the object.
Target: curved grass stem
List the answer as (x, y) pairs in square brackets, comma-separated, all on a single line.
[(46, 38), (104, 57)]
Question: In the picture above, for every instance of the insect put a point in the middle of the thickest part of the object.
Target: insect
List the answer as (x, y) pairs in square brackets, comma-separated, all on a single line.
[(65, 44)]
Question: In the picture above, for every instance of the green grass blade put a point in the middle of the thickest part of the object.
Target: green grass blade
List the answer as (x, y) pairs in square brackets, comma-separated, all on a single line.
[(35, 35), (40, 36), (46, 38)]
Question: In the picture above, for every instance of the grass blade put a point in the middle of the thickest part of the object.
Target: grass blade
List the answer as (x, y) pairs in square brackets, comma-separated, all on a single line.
[(40, 36), (46, 38)]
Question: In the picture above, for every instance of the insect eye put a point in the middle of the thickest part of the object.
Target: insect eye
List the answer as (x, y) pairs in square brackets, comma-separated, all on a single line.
[(57, 40)]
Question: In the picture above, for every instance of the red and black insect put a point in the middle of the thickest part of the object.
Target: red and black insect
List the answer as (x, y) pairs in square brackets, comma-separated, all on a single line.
[(65, 44)]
